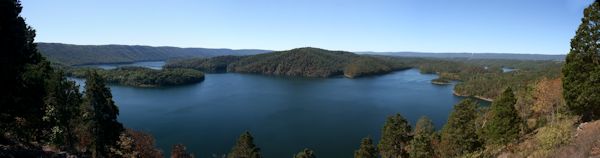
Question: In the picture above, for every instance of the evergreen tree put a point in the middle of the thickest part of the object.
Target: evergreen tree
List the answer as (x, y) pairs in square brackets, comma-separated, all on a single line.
[(306, 153), (421, 146), (101, 113), (62, 110), (366, 149), (582, 67), (459, 135), (22, 82), (395, 137), (504, 123), (244, 148)]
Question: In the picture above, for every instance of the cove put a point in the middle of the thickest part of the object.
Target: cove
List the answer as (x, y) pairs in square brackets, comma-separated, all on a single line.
[(284, 114)]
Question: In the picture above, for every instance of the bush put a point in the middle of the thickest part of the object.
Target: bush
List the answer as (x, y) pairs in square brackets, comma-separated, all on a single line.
[(554, 135)]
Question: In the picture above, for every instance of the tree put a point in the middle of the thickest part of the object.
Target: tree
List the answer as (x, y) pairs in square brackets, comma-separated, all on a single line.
[(582, 67), (62, 110), (136, 144), (548, 98), (366, 149), (421, 145), (101, 114), (306, 153), (179, 151), (22, 82), (394, 138), (504, 122), (459, 135), (245, 148)]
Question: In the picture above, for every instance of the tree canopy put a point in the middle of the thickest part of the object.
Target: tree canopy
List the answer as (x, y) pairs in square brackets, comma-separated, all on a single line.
[(306, 153), (305, 62), (367, 149), (504, 124), (582, 67), (143, 77), (459, 135), (101, 115), (245, 147), (421, 145), (22, 81), (395, 137)]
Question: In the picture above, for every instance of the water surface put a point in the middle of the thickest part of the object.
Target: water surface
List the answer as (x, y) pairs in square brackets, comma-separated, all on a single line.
[(157, 65), (284, 114)]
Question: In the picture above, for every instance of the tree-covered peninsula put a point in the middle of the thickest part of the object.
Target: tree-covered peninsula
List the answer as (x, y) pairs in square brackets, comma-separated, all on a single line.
[(306, 62), (143, 77)]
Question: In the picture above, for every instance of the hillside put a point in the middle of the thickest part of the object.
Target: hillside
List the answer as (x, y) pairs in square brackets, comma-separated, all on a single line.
[(511, 56), (142, 77), (307, 62), (212, 65), (70, 54)]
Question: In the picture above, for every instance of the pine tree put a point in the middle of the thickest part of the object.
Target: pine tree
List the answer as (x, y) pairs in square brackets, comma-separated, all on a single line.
[(421, 145), (395, 137), (459, 135), (245, 148), (504, 123), (101, 113), (62, 109), (581, 82), (366, 149), (22, 82), (306, 153)]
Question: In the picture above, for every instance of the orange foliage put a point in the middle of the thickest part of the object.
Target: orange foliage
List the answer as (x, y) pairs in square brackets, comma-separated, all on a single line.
[(548, 97)]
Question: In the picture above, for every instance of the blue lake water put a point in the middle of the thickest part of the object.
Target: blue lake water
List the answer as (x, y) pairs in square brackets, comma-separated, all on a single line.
[(157, 65), (284, 114)]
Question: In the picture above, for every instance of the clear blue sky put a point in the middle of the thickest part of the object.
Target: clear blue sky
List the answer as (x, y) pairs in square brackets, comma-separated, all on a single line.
[(504, 26)]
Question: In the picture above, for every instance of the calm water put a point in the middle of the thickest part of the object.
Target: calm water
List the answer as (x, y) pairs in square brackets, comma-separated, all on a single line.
[(507, 69), (284, 114), (157, 65)]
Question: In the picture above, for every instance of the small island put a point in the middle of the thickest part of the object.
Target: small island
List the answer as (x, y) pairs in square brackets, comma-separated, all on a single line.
[(143, 77), (441, 81)]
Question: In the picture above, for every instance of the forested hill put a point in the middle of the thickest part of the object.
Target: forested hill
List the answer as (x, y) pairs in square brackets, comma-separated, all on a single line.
[(70, 54), (307, 62), (474, 55)]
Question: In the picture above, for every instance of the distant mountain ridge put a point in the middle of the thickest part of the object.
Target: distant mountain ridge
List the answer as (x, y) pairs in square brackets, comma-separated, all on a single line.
[(71, 54), (513, 56)]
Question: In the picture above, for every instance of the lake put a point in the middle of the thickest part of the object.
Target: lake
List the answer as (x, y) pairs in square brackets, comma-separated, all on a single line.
[(157, 65), (284, 114)]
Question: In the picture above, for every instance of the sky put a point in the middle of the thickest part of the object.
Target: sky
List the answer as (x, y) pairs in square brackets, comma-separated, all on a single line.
[(475, 26)]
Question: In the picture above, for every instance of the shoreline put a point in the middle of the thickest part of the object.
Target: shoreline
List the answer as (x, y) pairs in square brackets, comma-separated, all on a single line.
[(114, 63), (440, 83), (478, 97)]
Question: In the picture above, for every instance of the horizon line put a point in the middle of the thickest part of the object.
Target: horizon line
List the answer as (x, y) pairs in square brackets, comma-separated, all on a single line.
[(358, 52)]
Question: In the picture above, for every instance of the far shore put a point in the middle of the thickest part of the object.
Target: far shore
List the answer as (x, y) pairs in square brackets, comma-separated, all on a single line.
[(441, 83), (478, 97)]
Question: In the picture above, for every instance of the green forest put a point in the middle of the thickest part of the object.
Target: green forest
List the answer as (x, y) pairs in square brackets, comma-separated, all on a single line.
[(542, 109), (304, 62), (482, 78), (142, 77), (69, 54)]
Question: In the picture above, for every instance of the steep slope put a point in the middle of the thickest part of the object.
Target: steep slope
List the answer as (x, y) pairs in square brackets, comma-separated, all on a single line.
[(95, 54)]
